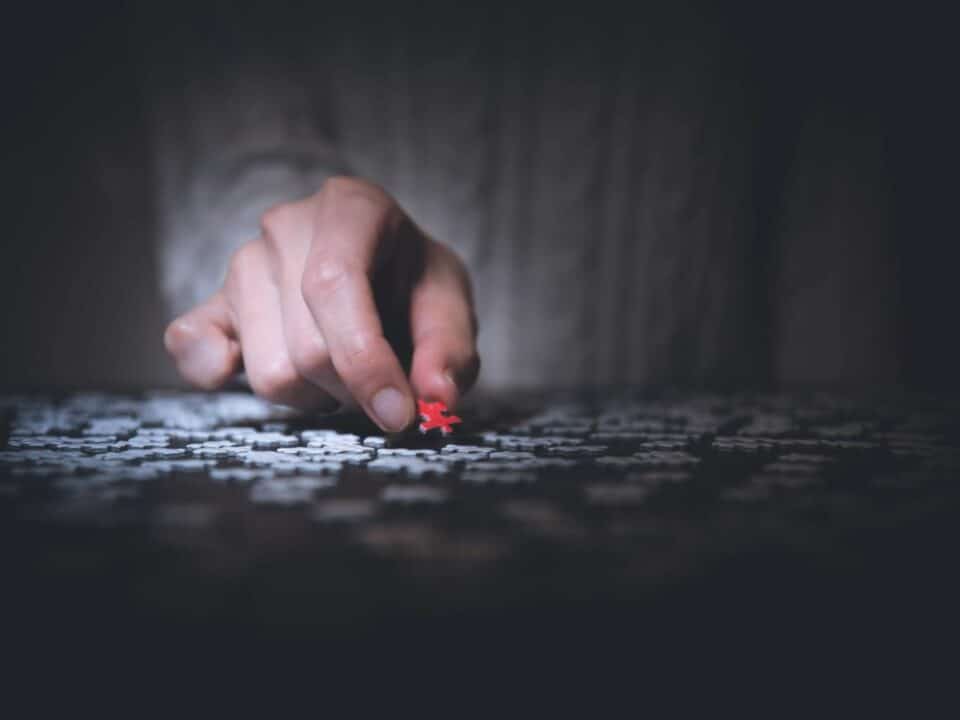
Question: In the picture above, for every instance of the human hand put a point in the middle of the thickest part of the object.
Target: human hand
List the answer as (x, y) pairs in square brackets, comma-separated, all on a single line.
[(321, 309)]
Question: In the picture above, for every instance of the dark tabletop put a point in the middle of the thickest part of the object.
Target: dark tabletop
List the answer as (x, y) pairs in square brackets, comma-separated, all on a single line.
[(579, 513)]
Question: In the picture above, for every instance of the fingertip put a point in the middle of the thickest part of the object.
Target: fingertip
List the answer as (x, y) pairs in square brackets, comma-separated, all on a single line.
[(392, 409), (204, 356), (177, 336), (436, 384), (444, 371), (372, 374)]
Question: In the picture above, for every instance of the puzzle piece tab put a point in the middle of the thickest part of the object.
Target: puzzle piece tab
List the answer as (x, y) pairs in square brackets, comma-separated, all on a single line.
[(436, 415)]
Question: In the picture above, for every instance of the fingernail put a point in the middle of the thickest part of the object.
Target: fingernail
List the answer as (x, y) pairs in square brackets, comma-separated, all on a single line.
[(391, 409)]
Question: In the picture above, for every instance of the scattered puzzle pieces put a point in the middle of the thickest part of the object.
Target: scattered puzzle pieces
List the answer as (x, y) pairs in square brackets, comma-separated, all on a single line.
[(436, 415)]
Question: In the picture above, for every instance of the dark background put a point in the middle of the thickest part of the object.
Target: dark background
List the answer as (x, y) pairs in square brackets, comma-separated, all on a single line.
[(79, 303)]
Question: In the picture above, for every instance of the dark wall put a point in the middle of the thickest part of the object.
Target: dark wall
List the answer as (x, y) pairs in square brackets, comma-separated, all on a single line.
[(78, 282)]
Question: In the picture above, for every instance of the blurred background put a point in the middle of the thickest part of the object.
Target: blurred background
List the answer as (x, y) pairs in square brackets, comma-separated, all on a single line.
[(716, 195)]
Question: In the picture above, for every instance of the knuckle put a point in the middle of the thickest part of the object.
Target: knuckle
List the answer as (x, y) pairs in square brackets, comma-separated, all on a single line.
[(451, 264), (461, 274), (356, 197), (343, 188), (365, 356), (324, 277), (310, 358), (271, 243), (276, 219), (276, 381), (451, 256)]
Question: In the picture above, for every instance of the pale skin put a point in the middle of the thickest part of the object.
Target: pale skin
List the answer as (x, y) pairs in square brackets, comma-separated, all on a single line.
[(317, 310)]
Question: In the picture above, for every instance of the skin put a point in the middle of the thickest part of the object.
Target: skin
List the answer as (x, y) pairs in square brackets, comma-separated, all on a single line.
[(327, 306)]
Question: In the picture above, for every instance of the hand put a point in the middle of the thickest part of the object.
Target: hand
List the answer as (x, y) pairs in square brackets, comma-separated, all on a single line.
[(321, 309)]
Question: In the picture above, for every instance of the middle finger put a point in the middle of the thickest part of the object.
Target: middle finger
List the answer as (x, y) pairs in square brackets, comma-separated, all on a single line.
[(255, 301)]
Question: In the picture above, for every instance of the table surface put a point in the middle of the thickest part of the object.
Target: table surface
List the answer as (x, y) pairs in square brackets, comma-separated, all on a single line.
[(221, 510)]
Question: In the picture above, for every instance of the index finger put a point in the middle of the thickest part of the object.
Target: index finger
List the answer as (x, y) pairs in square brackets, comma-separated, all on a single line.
[(352, 221)]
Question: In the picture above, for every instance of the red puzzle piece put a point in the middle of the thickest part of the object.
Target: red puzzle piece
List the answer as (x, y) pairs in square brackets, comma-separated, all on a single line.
[(435, 415)]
